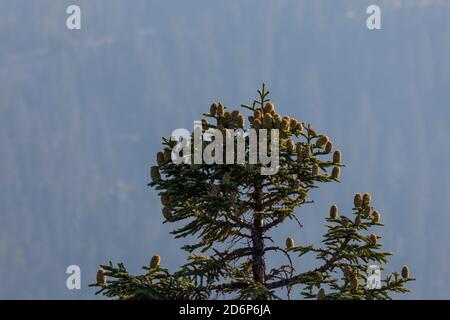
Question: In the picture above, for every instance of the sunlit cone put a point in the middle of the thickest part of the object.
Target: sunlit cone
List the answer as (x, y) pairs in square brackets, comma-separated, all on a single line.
[(257, 114), (366, 199), (293, 123), (315, 169), (289, 242), (335, 173), (298, 127), (165, 200), (298, 148), (285, 125), (277, 117), (269, 107), (257, 124), (312, 132), (235, 115), (307, 153), (160, 158), (328, 147), (167, 213), (205, 124), (334, 212), (337, 157), (376, 216), (290, 146), (241, 121), (155, 261), (213, 109), (267, 122), (405, 272), (373, 239), (154, 173), (101, 277), (297, 184), (321, 294), (366, 211), (220, 110), (322, 141), (357, 201)]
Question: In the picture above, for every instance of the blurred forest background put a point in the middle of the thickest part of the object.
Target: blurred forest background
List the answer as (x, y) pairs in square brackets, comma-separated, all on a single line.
[(82, 114)]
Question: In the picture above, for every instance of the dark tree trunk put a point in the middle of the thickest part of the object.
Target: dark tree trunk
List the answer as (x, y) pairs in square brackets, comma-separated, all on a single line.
[(259, 264)]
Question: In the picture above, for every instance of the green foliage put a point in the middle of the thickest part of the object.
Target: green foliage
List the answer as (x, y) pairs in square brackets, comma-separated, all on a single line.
[(231, 209)]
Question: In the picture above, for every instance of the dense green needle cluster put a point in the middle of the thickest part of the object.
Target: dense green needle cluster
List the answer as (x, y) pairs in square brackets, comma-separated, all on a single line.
[(231, 210)]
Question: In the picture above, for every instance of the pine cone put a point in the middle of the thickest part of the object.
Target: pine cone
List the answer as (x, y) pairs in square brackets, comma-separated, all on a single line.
[(337, 157), (334, 212), (289, 242), (328, 147), (213, 109), (155, 261), (405, 272), (357, 201), (335, 173), (101, 277)]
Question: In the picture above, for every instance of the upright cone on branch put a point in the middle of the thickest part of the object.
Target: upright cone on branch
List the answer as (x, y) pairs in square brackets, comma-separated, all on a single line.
[(334, 212), (241, 121), (285, 125), (167, 212), (315, 169), (322, 141), (155, 261), (328, 147), (160, 158), (293, 123), (312, 132), (337, 157), (213, 109), (269, 107), (297, 184), (267, 122), (167, 155), (366, 199), (373, 239), (220, 110), (307, 153), (101, 277), (376, 216), (154, 173), (289, 242), (357, 201), (290, 146), (335, 173), (165, 200), (405, 272), (257, 123)]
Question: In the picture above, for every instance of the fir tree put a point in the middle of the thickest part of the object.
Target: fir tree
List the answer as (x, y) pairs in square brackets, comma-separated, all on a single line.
[(231, 210)]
